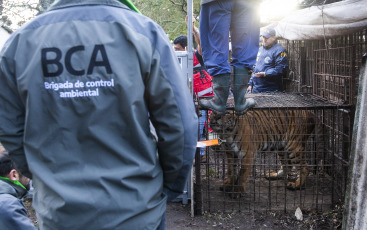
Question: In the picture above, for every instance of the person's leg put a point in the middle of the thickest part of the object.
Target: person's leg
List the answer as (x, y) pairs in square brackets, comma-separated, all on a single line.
[(245, 30), (245, 33), (218, 103), (202, 136), (240, 82), (215, 20), (202, 120)]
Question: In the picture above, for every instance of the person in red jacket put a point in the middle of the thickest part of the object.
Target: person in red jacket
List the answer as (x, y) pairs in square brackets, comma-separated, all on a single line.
[(203, 85)]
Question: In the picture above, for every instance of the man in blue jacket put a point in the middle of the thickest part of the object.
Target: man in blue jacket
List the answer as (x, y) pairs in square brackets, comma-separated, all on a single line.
[(13, 187), (79, 86), (271, 65)]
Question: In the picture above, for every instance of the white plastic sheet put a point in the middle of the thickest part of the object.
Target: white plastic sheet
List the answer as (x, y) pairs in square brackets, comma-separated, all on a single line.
[(324, 21)]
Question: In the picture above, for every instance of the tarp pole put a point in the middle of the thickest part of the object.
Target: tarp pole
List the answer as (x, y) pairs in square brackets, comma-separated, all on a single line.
[(190, 60), (190, 52), (355, 211)]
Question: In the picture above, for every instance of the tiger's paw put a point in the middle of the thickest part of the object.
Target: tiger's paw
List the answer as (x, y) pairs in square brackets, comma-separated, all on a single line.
[(236, 192), (235, 195), (228, 181), (274, 176), (294, 186), (226, 187), (233, 191)]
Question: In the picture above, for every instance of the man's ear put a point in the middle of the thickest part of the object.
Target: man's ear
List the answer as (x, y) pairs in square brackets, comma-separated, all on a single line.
[(13, 175)]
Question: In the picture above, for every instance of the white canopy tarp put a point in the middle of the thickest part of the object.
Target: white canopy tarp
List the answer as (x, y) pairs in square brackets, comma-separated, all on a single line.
[(324, 21)]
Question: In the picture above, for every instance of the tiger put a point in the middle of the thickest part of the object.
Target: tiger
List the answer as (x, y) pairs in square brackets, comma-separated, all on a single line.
[(285, 131)]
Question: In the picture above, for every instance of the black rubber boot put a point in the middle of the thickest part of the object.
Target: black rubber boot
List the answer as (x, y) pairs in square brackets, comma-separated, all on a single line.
[(240, 83), (221, 91)]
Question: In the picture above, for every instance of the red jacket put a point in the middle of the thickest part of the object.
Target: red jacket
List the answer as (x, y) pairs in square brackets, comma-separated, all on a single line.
[(203, 85)]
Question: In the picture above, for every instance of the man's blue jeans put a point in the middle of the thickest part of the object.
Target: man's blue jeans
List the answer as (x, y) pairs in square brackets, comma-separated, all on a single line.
[(202, 135), (217, 20)]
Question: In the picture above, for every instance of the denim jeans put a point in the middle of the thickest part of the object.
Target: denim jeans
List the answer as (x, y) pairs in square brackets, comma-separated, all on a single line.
[(217, 20), (202, 121)]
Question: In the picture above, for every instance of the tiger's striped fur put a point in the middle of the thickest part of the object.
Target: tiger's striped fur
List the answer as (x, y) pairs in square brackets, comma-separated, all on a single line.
[(285, 131)]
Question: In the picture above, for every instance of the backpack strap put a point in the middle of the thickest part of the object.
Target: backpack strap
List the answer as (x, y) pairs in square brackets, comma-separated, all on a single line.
[(199, 57)]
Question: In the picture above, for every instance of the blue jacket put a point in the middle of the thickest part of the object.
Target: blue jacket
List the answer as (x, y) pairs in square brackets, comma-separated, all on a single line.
[(13, 215), (274, 62), (79, 85)]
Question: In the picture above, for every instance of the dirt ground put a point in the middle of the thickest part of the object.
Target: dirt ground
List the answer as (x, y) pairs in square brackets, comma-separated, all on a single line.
[(179, 218)]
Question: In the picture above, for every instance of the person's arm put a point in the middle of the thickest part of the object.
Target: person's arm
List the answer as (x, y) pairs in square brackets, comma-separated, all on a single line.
[(197, 38), (13, 214), (12, 114), (173, 116), (195, 32), (259, 74), (280, 66)]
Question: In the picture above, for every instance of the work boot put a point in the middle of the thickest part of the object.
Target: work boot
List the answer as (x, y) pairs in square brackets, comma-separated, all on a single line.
[(240, 83), (218, 103)]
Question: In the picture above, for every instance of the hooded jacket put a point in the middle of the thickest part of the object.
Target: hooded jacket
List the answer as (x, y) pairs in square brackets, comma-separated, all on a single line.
[(79, 85), (13, 215)]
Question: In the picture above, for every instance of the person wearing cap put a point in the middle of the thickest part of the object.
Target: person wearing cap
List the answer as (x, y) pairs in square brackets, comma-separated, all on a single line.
[(241, 20), (13, 188), (80, 85), (271, 65)]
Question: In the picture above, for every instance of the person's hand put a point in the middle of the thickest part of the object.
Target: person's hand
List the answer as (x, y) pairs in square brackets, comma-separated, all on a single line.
[(249, 89), (194, 30), (259, 74)]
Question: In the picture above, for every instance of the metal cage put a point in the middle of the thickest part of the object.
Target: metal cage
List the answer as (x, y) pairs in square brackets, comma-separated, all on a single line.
[(325, 153), (322, 78)]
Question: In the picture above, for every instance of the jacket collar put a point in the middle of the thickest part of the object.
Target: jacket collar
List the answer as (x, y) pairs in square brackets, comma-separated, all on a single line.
[(70, 3), (8, 187), (270, 46)]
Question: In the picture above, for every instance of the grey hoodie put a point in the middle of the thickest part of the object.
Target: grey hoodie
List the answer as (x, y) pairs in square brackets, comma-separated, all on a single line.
[(78, 87), (13, 215)]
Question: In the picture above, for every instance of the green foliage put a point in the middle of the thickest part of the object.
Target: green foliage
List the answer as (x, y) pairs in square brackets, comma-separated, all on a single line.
[(169, 14)]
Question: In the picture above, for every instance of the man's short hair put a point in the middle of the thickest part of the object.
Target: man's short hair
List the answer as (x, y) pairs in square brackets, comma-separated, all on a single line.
[(182, 40), (6, 165)]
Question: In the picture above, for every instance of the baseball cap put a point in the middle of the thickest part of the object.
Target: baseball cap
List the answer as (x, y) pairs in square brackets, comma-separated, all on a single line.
[(267, 32)]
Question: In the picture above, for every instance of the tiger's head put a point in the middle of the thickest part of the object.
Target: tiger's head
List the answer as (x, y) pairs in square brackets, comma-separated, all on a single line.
[(224, 125)]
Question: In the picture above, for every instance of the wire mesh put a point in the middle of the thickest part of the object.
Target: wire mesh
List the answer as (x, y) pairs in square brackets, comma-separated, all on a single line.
[(272, 147)]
